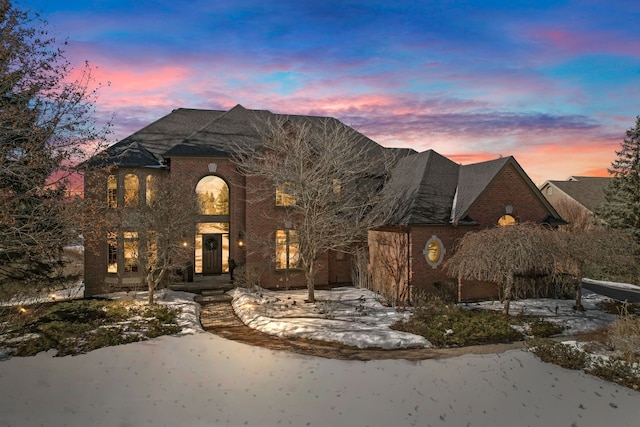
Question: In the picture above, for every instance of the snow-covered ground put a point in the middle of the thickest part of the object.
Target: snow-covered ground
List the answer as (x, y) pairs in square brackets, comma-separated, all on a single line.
[(345, 315), (559, 311), (200, 379)]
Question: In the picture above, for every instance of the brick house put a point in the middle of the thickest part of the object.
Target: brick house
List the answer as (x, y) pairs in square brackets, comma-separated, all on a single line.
[(446, 200)]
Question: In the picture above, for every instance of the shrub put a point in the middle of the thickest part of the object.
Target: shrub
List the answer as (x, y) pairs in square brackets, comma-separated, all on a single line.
[(551, 351), (618, 371), (447, 325), (75, 327), (624, 336), (542, 328)]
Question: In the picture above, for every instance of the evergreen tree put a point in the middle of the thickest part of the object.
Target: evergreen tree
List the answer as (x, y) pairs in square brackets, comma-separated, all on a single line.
[(621, 209), (45, 125)]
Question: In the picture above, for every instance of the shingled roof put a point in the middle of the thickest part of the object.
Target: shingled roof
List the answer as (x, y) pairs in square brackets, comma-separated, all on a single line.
[(437, 191), (586, 190), (190, 132)]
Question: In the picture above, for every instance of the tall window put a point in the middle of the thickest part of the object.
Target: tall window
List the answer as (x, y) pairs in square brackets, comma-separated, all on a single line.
[(131, 189), (287, 249), (131, 251), (112, 191), (213, 196), (152, 189), (112, 253), (285, 194)]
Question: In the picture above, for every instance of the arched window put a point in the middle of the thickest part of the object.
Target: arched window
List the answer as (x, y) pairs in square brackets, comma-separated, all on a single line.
[(507, 220), (213, 196), (131, 189)]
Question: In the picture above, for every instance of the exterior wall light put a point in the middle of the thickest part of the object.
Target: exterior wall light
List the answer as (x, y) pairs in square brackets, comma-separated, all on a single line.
[(240, 239)]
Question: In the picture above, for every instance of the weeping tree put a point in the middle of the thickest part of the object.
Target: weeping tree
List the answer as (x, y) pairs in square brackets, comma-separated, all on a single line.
[(499, 254), (326, 177)]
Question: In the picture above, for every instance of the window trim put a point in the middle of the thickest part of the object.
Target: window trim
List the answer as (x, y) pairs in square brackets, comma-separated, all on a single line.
[(428, 251)]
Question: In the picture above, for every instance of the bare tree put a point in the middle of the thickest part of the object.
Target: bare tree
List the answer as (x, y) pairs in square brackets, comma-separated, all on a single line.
[(46, 129), (577, 216), (326, 177), (607, 250), (499, 254), (164, 226), (390, 259)]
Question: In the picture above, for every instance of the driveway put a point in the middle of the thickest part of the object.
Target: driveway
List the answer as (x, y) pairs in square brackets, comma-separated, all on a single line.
[(611, 290)]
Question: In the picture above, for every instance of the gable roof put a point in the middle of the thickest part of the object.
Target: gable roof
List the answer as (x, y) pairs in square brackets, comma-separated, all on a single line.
[(473, 180), (434, 190), (586, 190)]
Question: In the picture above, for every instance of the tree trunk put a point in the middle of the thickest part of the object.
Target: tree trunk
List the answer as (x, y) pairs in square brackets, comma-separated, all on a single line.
[(578, 305), (310, 273), (508, 288), (150, 286)]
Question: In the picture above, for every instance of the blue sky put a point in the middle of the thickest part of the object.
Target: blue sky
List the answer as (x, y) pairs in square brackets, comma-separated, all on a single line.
[(555, 84)]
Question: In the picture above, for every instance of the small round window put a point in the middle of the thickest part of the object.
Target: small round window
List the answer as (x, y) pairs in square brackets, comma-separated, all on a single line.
[(433, 251)]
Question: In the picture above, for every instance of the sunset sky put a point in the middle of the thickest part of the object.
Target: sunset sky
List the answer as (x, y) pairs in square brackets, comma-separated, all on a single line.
[(554, 83)]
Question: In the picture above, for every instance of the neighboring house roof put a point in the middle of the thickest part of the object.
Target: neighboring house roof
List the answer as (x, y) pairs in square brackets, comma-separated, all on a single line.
[(435, 190), (586, 190)]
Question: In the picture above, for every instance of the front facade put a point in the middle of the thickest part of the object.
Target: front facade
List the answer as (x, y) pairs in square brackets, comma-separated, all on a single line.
[(444, 201)]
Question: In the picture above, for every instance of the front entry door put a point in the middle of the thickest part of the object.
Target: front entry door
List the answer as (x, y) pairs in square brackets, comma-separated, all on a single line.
[(212, 254)]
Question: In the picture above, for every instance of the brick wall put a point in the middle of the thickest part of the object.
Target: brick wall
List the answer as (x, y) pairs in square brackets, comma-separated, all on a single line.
[(508, 188)]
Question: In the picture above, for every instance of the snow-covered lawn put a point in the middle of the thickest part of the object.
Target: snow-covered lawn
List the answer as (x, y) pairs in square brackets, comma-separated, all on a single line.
[(559, 311), (345, 315), (199, 379)]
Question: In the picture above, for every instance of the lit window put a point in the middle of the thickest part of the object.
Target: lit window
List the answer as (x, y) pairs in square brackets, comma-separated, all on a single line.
[(112, 191), (131, 189), (284, 194), (506, 220), (112, 253), (130, 251), (434, 251), (213, 196), (152, 189), (287, 249)]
